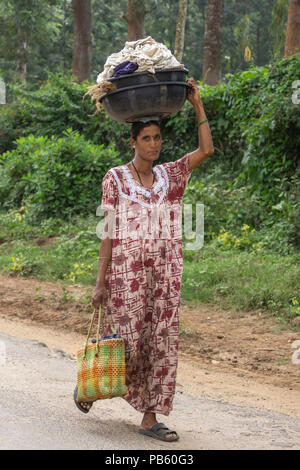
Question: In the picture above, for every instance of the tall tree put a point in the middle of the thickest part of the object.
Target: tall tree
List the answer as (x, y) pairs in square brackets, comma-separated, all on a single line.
[(212, 47), (47, 27), (292, 43), (26, 26), (21, 65), (82, 46), (180, 29), (136, 20), (277, 28)]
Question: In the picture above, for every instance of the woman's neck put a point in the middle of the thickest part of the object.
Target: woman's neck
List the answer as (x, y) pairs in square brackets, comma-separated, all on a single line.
[(143, 167)]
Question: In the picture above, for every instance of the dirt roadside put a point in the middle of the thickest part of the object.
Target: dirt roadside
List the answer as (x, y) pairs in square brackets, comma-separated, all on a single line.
[(243, 358)]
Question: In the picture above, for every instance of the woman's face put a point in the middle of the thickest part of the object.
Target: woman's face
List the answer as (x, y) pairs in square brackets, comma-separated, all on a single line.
[(148, 143)]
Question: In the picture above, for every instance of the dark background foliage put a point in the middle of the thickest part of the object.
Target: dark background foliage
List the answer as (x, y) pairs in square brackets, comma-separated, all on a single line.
[(252, 178), (48, 28)]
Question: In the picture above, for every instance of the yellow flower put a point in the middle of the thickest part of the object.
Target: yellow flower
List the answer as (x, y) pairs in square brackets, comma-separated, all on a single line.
[(295, 301), (245, 227)]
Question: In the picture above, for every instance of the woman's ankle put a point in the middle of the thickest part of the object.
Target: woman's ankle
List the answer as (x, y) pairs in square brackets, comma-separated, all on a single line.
[(149, 417)]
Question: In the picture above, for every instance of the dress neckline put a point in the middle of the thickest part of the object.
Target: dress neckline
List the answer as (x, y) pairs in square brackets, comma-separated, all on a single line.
[(161, 185), (138, 182), (136, 186)]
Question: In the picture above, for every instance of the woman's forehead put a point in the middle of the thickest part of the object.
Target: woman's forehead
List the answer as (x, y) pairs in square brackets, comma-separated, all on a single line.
[(152, 129)]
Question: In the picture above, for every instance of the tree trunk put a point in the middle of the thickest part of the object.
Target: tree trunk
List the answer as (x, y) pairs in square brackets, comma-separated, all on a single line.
[(21, 69), (292, 42), (258, 43), (136, 20), (212, 48), (82, 47), (180, 29)]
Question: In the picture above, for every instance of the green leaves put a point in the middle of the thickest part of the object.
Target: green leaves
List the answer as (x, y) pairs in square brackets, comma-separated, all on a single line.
[(255, 129), (55, 177)]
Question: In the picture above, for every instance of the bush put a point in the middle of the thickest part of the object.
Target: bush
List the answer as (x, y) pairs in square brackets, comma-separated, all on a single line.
[(253, 120), (55, 107), (55, 177), (253, 176)]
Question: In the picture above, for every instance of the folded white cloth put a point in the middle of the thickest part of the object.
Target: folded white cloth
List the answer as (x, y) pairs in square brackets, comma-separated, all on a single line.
[(147, 53)]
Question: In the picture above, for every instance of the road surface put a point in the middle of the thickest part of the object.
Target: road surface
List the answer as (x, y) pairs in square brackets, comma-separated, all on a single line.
[(37, 412)]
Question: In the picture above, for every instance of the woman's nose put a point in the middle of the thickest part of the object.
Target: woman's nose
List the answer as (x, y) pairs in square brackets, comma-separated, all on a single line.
[(154, 143)]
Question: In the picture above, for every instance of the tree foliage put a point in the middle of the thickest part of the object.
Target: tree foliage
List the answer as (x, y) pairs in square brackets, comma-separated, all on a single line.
[(49, 29), (254, 123), (34, 22)]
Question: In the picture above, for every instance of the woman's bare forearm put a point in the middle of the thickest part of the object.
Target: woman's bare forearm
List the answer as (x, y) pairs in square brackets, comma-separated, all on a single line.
[(204, 135)]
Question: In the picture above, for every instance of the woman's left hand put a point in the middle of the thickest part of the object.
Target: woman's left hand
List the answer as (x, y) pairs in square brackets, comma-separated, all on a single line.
[(193, 94)]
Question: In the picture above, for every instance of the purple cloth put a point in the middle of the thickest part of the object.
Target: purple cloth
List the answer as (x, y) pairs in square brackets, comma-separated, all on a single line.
[(125, 68)]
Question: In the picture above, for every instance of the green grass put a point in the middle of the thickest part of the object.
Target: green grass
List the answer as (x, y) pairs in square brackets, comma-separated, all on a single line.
[(227, 277), (244, 280), (72, 256)]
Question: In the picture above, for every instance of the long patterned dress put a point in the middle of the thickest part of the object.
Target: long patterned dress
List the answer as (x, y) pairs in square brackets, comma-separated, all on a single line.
[(143, 278)]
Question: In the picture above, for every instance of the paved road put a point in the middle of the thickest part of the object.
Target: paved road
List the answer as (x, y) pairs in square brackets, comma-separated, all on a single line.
[(37, 412)]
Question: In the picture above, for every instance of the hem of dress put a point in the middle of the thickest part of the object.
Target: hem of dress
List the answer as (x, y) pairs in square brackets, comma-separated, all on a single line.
[(156, 411)]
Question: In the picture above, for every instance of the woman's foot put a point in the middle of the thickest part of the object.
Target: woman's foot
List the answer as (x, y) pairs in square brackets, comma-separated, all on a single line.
[(87, 406), (81, 405), (149, 420)]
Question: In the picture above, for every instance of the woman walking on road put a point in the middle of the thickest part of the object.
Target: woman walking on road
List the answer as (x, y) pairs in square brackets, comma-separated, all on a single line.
[(140, 270)]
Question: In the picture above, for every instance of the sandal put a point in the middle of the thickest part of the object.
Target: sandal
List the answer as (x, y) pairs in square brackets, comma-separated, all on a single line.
[(154, 432), (84, 410)]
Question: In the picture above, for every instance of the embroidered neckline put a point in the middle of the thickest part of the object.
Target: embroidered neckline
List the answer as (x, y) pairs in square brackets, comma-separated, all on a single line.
[(136, 187)]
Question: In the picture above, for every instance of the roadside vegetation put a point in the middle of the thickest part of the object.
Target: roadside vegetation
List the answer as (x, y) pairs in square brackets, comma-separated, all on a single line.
[(55, 153)]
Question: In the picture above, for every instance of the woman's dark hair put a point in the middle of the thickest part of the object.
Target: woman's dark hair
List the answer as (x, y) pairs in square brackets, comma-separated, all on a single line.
[(137, 127)]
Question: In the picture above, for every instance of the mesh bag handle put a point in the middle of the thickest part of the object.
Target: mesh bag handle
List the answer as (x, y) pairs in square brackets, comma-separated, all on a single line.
[(99, 326)]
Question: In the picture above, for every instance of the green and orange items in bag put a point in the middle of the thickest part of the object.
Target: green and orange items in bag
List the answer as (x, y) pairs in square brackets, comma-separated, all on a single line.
[(101, 369)]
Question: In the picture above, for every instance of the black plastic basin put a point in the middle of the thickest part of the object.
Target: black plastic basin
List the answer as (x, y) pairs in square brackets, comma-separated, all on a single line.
[(156, 100), (141, 78)]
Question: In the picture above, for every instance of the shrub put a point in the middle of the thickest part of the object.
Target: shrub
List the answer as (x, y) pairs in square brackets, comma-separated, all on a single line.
[(56, 106), (54, 177), (253, 176)]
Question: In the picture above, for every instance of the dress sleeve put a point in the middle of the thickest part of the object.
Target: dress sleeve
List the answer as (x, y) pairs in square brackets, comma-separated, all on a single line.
[(110, 193), (179, 170)]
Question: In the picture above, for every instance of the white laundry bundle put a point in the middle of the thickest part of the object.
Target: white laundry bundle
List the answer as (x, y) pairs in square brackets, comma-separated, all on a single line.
[(147, 53)]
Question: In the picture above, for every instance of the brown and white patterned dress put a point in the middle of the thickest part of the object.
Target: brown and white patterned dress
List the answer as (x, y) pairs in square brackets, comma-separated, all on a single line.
[(143, 278)]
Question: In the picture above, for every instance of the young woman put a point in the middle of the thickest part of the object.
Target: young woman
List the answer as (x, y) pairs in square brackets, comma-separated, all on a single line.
[(140, 269)]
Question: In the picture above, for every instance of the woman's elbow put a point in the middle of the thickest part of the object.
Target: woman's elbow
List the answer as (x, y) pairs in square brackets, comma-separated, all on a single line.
[(209, 152)]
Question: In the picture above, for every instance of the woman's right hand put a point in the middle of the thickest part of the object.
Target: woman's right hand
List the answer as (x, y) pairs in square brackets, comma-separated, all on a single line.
[(100, 294)]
